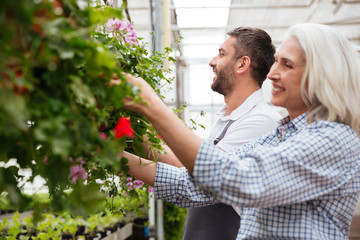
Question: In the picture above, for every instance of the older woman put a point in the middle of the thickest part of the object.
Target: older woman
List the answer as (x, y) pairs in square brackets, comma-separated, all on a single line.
[(301, 180)]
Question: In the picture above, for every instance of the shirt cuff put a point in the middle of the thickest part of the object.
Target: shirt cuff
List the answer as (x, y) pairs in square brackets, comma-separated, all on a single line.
[(166, 181)]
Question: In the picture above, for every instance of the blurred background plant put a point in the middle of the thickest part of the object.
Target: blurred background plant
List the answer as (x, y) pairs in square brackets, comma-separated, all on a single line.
[(59, 116)]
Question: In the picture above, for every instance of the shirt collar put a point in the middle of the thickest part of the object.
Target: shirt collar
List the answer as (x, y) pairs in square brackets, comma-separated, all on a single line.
[(286, 125), (244, 108), (298, 122)]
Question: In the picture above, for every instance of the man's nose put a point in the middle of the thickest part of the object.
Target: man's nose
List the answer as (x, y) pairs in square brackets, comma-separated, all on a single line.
[(212, 63)]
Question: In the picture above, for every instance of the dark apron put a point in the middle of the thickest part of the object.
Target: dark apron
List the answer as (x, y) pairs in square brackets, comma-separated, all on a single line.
[(215, 222)]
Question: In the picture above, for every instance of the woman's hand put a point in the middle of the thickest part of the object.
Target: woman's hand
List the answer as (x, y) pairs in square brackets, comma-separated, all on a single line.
[(177, 135)]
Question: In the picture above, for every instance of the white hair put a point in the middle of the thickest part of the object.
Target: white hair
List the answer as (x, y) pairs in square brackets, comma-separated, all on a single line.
[(331, 81)]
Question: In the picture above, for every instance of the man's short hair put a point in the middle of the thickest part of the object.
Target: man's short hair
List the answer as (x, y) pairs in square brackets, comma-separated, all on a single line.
[(257, 45)]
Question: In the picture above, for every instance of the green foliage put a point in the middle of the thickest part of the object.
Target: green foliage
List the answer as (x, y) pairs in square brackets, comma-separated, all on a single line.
[(114, 210), (174, 220), (53, 227), (56, 101)]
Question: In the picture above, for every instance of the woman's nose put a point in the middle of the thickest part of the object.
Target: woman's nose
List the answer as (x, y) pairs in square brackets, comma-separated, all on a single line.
[(273, 74)]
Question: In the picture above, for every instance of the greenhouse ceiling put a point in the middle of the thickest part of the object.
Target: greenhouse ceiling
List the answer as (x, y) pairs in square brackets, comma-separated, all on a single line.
[(203, 24)]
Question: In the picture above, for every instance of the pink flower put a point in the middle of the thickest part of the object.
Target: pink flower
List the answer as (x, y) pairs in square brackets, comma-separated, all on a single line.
[(103, 136), (126, 29), (151, 189), (131, 38), (125, 25), (129, 179), (46, 160), (129, 185), (138, 184), (77, 171), (80, 160), (113, 24)]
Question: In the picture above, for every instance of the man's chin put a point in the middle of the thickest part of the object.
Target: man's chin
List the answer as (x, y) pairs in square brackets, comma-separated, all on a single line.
[(218, 90), (213, 87)]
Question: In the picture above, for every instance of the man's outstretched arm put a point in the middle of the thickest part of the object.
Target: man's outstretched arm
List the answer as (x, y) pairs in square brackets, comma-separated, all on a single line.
[(166, 156), (140, 168)]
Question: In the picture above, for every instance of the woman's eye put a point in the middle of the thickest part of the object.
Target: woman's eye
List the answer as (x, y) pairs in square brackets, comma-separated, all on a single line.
[(288, 65)]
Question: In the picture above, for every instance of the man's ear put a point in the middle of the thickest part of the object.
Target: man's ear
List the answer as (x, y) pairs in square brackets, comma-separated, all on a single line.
[(243, 64)]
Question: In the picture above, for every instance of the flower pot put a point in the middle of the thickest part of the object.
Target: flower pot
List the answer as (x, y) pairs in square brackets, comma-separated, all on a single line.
[(139, 232)]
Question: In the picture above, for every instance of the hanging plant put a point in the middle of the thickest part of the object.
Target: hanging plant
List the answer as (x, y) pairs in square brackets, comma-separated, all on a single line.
[(59, 115)]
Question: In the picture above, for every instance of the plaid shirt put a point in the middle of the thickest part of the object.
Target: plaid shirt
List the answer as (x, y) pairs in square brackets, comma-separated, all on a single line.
[(300, 181)]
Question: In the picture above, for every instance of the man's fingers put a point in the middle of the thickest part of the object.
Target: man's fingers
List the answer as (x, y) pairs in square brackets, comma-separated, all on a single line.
[(128, 101), (136, 81), (114, 76), (115, 82)]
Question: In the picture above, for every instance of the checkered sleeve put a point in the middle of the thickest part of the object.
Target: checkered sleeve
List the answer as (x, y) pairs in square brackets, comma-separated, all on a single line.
[(175, 185), (314, 163)]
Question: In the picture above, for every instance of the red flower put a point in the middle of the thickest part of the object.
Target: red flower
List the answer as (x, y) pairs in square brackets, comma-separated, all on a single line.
[(6, 76), (17, 89), (19, 73), (123, 128)]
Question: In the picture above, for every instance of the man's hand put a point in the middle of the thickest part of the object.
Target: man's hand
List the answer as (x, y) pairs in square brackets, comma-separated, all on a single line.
[(147, 94)]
